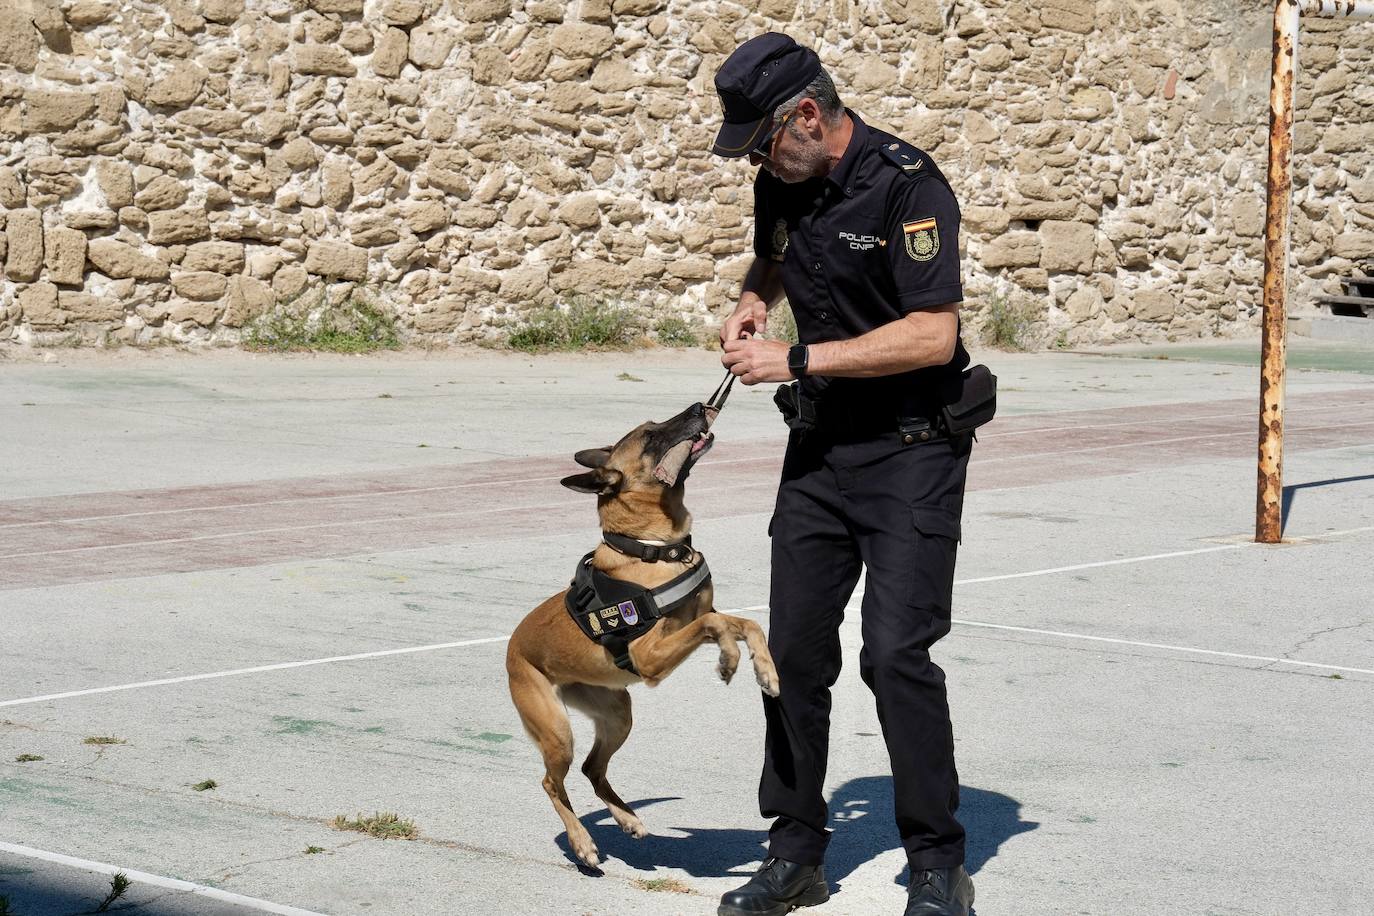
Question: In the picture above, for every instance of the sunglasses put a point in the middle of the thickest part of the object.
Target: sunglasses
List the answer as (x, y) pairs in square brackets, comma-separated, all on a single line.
[(764, 147)]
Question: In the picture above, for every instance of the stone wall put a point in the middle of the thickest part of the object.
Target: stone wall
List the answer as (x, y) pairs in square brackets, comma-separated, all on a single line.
[(173, 169)]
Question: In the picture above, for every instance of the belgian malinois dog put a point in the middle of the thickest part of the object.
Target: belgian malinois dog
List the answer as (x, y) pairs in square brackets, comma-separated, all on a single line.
[(551, 661)]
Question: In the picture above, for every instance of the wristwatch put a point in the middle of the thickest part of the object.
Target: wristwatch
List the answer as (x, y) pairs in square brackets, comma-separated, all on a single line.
[(797, 357)]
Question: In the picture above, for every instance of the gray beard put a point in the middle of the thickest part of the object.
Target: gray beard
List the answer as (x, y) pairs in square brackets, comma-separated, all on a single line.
[(809, 161)]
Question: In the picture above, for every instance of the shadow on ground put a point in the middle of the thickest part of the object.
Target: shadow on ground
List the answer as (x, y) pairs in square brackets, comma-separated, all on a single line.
[(860, 814), (48, 893), (1290, 493)]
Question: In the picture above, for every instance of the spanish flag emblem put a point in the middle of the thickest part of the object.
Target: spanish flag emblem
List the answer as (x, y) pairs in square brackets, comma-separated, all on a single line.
[(922, 238)]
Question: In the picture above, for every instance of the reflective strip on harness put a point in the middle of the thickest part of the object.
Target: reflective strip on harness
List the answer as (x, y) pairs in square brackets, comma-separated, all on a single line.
[(678, 590)]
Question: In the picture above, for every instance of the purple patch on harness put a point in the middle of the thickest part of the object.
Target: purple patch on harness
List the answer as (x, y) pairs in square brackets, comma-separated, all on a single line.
[(628, 612)]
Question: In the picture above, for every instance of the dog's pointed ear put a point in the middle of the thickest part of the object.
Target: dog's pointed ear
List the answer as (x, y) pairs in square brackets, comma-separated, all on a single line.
[(602, 482), (593, 457)]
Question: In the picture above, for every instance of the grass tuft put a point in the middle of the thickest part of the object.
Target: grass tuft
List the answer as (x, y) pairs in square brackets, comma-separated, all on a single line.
[(579, 325), (207, 784), (627, 377), (1009, 324), (312, 850), (674, 332), (662, 885), (27, 758), (118, 885), (104, 739), (311, 322), (383, 825)]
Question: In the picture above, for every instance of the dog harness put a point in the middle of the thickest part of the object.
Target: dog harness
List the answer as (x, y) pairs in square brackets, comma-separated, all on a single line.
[(614, 613)]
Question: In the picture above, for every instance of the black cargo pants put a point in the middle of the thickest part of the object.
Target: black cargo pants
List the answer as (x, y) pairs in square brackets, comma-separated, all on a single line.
[(895, 509)]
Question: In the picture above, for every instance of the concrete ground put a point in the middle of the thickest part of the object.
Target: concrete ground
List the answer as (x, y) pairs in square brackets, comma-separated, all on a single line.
[(294, 577)]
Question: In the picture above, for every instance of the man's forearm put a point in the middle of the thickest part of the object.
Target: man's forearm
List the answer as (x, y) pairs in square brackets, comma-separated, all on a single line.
[(764, 280), (925, 338)]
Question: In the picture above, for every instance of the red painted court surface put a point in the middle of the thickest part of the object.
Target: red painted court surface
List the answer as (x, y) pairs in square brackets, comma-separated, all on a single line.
[(97, 536)]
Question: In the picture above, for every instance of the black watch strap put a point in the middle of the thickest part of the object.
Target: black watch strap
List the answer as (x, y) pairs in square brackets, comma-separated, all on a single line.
[(797, 359)]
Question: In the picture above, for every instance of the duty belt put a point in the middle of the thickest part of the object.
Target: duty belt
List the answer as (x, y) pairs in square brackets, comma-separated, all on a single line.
[(806, 414), (614, 613)]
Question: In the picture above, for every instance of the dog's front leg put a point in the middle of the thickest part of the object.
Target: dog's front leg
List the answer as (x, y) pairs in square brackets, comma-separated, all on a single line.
[(765, 672), (656, 654)]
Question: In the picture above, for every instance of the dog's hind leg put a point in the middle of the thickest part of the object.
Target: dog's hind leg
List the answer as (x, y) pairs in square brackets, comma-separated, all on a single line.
[(547, 723), (609, 709)]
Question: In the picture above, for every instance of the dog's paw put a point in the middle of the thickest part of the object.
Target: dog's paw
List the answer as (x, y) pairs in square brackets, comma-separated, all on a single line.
[(635, 828), (767, 676), (585, 849), (727, 664)]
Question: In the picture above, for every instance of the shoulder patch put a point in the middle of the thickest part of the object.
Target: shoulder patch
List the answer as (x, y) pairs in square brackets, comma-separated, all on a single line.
[(905, 157)]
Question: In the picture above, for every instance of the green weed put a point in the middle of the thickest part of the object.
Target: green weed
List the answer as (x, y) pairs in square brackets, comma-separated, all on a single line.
[(580, 324), (383, 825), (311, 322), (27, 758), (674, 332), (104, 739), (207, 784), (627, 377), (662, 885), (312, 850), (1008, 324), (118, 885)]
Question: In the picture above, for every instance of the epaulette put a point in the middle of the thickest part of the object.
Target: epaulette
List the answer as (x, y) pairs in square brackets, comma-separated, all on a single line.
[(906, 157)]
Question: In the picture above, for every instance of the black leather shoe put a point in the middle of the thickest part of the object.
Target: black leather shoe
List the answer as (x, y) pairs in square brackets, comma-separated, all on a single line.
[(777, 888), (939, 892)]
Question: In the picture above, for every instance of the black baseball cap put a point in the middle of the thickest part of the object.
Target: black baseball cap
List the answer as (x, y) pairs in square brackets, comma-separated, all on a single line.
[(763, 73)]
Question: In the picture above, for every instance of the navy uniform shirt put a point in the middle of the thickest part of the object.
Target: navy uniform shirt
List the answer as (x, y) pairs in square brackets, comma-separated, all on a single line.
[(876, 239)]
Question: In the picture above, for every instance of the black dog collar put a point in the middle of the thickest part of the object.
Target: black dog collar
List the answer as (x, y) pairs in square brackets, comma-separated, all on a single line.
[(677, 551)]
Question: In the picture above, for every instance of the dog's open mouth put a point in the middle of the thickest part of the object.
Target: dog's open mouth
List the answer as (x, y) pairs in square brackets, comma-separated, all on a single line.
[(679, 459)]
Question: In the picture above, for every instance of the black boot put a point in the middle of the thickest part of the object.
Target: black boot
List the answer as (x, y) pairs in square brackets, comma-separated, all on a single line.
[(776, 888), (939, 892)]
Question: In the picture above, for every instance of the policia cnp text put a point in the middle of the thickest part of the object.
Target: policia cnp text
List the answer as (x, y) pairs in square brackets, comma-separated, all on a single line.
[(860, 231)]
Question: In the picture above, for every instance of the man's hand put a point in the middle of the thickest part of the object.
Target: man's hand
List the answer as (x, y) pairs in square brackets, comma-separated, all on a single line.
[(750, 317), (755, 360)]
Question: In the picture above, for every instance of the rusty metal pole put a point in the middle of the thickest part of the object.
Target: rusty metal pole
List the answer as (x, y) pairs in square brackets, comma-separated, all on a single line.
[(1273, 355), (1269, 500)]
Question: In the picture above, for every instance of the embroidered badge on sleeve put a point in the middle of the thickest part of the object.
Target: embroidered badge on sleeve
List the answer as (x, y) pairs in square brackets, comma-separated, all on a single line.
[(780, 240), (922, 239)]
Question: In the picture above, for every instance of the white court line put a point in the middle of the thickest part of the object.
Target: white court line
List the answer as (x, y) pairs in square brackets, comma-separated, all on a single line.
[(1156, 645), (143, 877), (282, 666), (1060, 569)]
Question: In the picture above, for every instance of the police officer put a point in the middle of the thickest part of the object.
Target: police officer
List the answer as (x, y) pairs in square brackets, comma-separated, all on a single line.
[(860, 231)]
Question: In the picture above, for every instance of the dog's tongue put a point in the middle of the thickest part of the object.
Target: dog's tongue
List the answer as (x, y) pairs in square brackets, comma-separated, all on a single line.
[(672, 463)]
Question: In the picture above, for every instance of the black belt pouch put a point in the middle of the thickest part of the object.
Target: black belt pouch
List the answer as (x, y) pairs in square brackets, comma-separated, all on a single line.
[(970, 400)]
